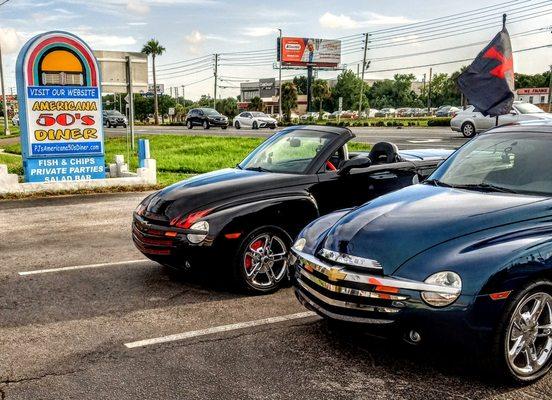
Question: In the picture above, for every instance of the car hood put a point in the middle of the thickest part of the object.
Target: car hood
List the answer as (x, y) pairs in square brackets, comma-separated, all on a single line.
[(396, 227), (218, 187)]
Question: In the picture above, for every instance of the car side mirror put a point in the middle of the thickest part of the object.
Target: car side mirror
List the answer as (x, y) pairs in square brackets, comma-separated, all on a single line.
[(513, 112), (357, 162)]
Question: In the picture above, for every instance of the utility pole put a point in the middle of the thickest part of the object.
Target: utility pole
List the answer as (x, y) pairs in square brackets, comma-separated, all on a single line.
[(279, 76), (215, 73), (550, 90), (4, 100), (131, 100), (366, 35), (424, 82), (171, 90), (429, 90)]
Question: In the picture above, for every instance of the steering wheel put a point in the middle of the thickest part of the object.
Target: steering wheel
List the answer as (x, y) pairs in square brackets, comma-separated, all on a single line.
[(330, 166)]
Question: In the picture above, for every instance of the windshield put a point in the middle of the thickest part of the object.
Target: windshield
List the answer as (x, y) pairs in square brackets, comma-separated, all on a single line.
[(527, 108), (291, 152), (505, 162), (209, 111), (114, 112), (258, 114)]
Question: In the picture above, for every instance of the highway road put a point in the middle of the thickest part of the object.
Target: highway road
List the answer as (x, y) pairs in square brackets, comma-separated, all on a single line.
[(405, 138), (84, 316)]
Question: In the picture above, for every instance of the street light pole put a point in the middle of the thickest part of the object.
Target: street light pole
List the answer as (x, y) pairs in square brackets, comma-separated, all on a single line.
[(4, 102), (550, 91), (366, 36), (280, 76)]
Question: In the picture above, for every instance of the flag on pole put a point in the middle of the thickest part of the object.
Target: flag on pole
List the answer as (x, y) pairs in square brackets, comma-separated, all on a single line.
[(488, 82)]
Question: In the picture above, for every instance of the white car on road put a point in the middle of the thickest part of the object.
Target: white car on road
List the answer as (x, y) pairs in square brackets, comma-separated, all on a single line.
[(470, 122), (254, 120), (15, 120)]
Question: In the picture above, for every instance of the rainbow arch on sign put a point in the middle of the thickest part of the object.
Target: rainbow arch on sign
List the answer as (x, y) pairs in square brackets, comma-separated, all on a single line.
[(45, 45)]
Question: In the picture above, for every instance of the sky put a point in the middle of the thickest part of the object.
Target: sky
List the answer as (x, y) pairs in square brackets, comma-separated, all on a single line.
[(191, 29)]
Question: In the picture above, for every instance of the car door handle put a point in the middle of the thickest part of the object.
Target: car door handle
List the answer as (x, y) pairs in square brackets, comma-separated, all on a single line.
[(383, 176)]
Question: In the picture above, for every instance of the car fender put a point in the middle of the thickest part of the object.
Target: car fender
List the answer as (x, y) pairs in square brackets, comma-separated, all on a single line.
[(290, 212)]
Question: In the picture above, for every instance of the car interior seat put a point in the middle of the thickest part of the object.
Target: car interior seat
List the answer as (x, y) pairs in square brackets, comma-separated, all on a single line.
[(384, 153)]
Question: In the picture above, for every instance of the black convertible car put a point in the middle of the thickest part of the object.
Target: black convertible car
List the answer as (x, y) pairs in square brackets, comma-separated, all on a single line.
[(248, 215)]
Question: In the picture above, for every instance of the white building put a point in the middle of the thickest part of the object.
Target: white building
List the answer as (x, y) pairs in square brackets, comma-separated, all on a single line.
[(537, 96)]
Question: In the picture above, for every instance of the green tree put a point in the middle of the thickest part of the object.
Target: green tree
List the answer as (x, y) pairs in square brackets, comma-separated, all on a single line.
[(204, 101), (300, 83), (228, 107), (347, 87), (320, 92), (143, 106), (256, 104), (289, 98), (153, 48)]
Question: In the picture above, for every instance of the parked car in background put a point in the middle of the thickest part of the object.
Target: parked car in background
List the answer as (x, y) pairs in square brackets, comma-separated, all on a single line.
[(465, 257), (470, 122), (248, 215), (386, 112), (15, 120), (402, 112), (254, 120), (206, 117), (369, 113), (113, 119), (309, 114)]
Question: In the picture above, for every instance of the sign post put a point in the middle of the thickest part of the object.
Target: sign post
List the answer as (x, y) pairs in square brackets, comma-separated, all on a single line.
[(60, 105)]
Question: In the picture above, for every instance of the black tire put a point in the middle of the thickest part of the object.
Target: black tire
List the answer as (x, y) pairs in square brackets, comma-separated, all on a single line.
[(255, 125), (468, 129), (124, 126), (261, 282), (108, 124), (206, 124), (272, 127), (498, 358), (189, 124), (237, 125), (224, 127)]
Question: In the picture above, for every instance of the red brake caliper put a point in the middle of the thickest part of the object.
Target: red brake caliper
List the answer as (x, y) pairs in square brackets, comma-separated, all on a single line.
[(255, 246)]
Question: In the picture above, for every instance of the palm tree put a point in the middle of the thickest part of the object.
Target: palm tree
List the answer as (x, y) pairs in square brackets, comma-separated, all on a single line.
[(321, 91), (153, 48), (256, 104)]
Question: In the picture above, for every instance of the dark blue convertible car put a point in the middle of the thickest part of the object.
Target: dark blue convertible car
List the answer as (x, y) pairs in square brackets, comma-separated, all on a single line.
[(465, 256)]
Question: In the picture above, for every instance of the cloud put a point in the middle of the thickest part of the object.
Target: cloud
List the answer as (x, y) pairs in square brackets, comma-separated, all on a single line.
[(10, 40), (379, 19), (194, 40), (137, 7), (137, 23), (342, 21), (259, 31), (332, 21)]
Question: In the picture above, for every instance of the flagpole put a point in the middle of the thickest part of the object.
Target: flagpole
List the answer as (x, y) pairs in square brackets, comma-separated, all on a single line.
[(503, 27)]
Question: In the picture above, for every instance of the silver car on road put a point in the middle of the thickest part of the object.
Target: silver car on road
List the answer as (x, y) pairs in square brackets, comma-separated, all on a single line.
[(470, 122)]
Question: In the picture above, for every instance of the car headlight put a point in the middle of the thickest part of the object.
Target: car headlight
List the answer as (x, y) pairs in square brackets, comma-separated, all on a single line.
[(447, 279), (299, 244), (200, 226)]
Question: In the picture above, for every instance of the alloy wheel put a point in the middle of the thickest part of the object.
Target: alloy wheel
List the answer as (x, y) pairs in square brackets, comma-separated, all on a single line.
[(529, 335), (265, 261), (468, 130)]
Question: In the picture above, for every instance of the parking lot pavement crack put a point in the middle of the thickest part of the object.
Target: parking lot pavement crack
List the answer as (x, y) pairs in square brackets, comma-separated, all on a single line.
[(12, 381)]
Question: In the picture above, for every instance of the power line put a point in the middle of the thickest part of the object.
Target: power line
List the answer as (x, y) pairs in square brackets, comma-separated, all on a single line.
[(454, 25), (526, 33), (436, 37), (445, 18), (452, 62)]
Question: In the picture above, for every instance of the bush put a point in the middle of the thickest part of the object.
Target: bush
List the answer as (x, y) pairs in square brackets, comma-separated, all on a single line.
[(444, 121)]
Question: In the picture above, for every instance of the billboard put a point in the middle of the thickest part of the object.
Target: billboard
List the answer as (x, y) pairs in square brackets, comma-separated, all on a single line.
[(113, 71), (58, 85), (310, 52)]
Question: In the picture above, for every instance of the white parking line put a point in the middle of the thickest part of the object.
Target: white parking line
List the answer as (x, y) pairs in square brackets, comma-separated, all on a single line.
[(218, 329), (46, 271)]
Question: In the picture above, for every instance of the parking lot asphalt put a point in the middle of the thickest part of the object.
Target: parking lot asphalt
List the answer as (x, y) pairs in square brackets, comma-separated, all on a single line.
[(404, 137), (84, 316)]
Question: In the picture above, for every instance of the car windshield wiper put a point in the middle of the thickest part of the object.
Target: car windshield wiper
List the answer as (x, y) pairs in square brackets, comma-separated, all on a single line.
[(238, 166), (436, 182), (487, 187), (258, 169)]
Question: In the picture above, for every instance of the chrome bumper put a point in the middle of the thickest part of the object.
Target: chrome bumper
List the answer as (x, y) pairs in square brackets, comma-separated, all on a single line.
[(339, 293)]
